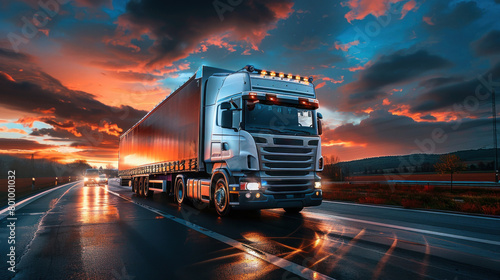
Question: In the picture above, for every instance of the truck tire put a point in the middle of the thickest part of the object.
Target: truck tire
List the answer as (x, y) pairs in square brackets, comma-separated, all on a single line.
[(141, 186), (135, 185), (293, 210), (179, 191), (147, 192), (221, 198)]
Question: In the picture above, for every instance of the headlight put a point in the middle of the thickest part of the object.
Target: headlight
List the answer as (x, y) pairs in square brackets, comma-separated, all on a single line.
[(253, 186), (317, 185), (85, 179)]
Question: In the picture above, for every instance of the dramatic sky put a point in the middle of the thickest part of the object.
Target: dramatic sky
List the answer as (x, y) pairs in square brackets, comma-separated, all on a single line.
[(392, 76)]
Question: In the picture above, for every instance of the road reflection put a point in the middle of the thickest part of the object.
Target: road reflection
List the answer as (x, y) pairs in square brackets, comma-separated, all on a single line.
[(95, 206)]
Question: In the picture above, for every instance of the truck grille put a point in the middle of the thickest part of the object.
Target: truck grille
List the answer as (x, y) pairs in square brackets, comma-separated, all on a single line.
[(287, 165)]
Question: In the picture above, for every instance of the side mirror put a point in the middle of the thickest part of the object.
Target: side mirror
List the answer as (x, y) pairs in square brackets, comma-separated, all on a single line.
[(320, 126), (225, 105)]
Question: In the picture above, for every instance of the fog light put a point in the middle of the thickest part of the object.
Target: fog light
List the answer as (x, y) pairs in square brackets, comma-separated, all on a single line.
[(257, 195), (248, 195), (317, 185)]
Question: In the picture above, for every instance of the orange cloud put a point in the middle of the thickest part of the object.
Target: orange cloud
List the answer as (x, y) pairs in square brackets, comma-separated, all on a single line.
[(386, 102), (320, 85), (342, 143), (356, 68), (428, 20), (12, 130), (7, 76), (362, 8), (408, 6), (345, 47), (333, 80), (404, 110)]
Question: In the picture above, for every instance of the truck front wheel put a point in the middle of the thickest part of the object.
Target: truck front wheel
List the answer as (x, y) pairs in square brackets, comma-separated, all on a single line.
[(221, 198), (179, 191)]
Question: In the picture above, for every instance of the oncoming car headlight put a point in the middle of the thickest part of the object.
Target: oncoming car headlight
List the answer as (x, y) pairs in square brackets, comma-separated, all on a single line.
[(85, 179)]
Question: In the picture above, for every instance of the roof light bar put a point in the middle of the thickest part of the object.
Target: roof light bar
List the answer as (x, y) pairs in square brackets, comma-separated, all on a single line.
[(282, 75)]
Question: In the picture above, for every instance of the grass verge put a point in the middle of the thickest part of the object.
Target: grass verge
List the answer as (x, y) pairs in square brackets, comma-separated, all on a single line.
[(465, 199)]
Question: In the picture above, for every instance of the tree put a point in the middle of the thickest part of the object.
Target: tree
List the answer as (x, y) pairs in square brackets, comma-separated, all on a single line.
[(450, 164), (332, 170)]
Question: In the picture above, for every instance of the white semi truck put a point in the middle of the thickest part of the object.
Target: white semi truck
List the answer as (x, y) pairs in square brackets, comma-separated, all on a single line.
[(247, 139)]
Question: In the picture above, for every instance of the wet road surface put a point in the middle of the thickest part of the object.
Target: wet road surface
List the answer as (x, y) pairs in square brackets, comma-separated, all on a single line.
[(106, 232)]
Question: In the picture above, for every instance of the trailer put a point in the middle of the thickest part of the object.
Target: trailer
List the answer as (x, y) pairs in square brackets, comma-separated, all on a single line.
[(247, 139)]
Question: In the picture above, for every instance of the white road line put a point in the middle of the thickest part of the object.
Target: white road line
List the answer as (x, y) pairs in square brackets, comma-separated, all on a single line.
[(4, 212), (413, 210), (479, 240), (272, 259)]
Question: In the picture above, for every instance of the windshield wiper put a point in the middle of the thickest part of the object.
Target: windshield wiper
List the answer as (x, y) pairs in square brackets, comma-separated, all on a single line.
[(299, 131), (266, 128)]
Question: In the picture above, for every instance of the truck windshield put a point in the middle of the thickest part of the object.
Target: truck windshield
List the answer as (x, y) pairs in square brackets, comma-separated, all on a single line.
[(279, 119)]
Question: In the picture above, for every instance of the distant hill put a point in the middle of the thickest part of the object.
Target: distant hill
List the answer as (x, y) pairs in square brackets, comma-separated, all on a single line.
[(481, 159)]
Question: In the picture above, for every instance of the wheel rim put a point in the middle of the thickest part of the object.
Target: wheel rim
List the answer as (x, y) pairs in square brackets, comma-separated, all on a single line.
[(220, 197), (179, 192)]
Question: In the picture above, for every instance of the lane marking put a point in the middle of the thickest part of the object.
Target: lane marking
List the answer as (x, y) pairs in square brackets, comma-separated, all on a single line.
[(413, 210), (4, 212), (473, 239), (272, 259)]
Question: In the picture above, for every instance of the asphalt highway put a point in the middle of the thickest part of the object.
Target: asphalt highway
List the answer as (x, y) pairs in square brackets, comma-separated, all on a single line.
[(107, 232)]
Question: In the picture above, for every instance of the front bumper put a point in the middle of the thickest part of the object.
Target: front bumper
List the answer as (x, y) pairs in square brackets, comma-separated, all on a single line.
[(267, 201)]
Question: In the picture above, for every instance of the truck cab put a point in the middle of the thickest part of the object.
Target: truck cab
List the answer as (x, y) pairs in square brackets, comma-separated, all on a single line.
[(263, 130)]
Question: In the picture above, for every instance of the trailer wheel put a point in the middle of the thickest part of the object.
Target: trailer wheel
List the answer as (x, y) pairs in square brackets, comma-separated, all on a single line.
[(136, 185), (221, 198), (132, 184), (141, 186), (147, 192), (293, 210), (179, 191)]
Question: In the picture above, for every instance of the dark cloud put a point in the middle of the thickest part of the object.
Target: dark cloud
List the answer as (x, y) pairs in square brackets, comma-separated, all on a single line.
[(460, 15), (22, 144), (66, 104), (132, 76), (388, 70), (9, 54), (396, 68), (435, 82), (445, 96), (489, 44), (383, 133), (180, 26)]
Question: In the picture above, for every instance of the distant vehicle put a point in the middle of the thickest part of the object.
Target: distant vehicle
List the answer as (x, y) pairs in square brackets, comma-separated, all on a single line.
[(91, 177), (247, 139), (103, 180)]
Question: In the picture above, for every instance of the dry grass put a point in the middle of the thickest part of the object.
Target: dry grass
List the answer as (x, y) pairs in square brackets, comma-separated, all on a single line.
[(471, 200)]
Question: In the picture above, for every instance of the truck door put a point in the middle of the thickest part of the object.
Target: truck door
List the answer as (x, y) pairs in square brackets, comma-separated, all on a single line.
[(230, 148)]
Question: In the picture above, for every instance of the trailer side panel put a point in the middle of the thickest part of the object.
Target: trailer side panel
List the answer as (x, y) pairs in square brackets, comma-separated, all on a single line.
[(167, 139)]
